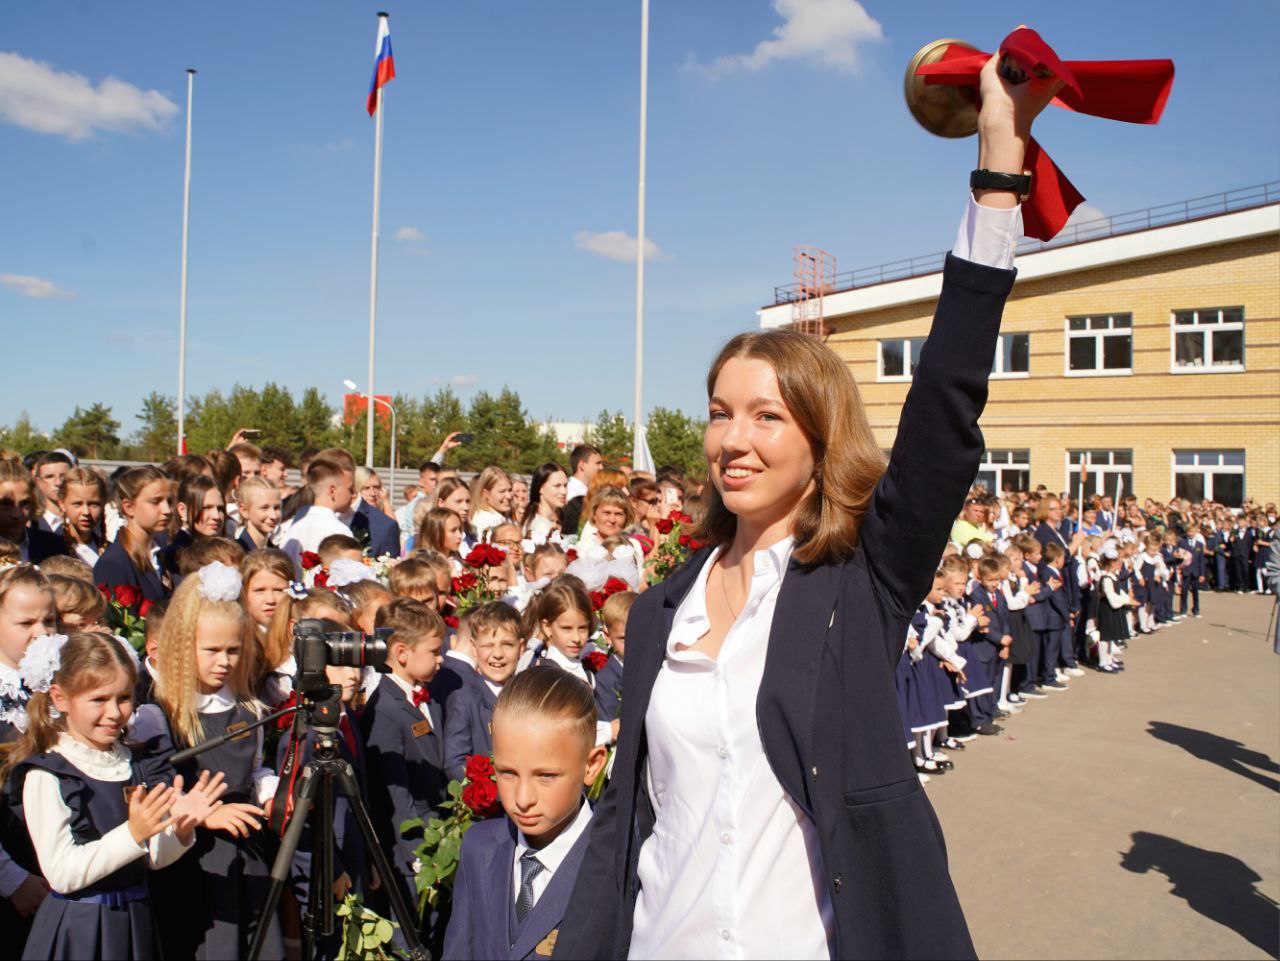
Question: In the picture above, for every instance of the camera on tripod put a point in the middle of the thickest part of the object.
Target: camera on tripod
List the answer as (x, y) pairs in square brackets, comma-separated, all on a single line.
[(319, 643)]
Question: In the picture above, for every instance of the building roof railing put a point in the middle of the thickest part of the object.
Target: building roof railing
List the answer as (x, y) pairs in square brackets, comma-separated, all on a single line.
[(1180, 212)]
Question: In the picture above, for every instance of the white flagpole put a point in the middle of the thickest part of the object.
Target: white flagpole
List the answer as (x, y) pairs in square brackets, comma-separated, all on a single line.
[(373, 271), (644, 118), (182, 309)]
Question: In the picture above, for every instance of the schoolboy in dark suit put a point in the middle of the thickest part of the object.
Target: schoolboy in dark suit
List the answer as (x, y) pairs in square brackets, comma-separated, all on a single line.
[(1194, 571), (989, 642), (495, 633), (404, 733), (1239, 550), (1057, 615), (613, 617), (371, 526), (516, 874)]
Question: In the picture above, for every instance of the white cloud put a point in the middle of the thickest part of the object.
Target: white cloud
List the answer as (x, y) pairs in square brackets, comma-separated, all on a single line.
[(1084, 213), (458, 380), (39, 97), (616, 245), (37, 288), (346, 143), (825, 32), (407, 234)]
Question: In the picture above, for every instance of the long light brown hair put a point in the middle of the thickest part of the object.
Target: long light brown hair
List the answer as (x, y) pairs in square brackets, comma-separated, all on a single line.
[(820, 392), (178, 692)]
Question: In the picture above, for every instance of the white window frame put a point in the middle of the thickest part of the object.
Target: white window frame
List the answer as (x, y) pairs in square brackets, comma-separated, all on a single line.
[(1098, 335), (905, 342), (1110, 469), (997, 365), (1206, 331), (1209, 463), (1014, 458)]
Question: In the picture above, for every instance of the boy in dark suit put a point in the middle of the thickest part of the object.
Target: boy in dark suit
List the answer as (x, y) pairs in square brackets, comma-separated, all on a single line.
[(1195, 570), (1055, 634), (1239, 548), (991, 641), (404, 734), (495, 633), (516, 874), (613, 617)]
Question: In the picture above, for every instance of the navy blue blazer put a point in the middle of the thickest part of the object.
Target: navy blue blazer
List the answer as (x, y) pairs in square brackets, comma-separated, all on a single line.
[(1240, 542), (115, 567), (42, 545), (383, 532), (1057, 604), (834, 647), (467, 725), (997, 615), (483, 924), (449, 679), (609, 689), (405, 770), (1195, 568)]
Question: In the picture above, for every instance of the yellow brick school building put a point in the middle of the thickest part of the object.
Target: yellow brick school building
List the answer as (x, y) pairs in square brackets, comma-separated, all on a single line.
[(1146, 349)]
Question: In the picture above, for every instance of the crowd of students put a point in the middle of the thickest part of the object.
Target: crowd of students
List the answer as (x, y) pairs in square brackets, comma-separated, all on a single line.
[(1031, 589), (504, 602)]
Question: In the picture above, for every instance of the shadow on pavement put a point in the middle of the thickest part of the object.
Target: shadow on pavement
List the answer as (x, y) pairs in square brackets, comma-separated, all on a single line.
[(1227, 754), (1216, 885)]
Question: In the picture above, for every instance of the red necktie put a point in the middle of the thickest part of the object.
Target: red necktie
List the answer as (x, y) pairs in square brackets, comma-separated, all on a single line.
[(1131, 90), (421, 696), (344, 728)]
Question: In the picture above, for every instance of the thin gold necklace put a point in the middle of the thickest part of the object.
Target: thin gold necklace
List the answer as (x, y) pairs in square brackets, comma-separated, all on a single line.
[(724, 589)]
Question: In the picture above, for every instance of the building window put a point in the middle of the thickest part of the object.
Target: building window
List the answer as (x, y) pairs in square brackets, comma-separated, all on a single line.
[(1013, 356), (1208, 340), (1005, 469), (1109, 472), (1099, 344), (1216, 475), (899, 358)]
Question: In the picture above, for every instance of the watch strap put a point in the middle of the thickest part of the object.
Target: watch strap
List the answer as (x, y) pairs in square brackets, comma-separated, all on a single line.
[(1019, 184)]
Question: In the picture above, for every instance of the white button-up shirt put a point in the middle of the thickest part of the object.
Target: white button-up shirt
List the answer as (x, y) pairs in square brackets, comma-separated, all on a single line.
[(307, 531), (551, 856), (732, 869)]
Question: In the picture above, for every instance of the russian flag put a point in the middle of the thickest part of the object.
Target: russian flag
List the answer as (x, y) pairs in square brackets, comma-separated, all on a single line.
[(384, 65)]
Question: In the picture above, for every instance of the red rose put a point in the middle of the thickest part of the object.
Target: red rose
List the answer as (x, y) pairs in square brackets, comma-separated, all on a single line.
[(450, 621), (685, 519), (675, 515), (665, 525), (321, 579), (482, 798), (464, 582), (106, 590), (285, 722), (144, 607), (479, 766), (613, 585), (571, 555), (308, 560), (479, 556), (126, 595), (595, 660), (684, 540), (696, 545)]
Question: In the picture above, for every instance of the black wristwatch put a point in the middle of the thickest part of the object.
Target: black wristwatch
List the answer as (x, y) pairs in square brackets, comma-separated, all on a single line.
[(1019, 184)]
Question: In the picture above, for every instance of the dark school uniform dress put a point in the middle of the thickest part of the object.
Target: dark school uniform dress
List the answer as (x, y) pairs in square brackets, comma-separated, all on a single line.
[(1113, 622), (14, 839), (115, 567), (484, 923), (208, 904), (930, 695), (1019, 629), (245, 541), (111, 918)]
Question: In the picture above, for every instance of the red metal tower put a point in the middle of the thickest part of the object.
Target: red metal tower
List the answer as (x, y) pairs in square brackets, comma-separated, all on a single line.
[(815, 275)]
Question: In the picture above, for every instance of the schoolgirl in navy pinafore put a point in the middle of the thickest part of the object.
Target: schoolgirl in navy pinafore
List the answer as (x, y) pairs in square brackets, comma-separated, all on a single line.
[(1113, 622), (208, 904), (14, 839), (112, 917)]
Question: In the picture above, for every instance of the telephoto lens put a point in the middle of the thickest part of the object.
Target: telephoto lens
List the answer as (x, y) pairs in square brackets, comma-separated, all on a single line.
[(357, 649)]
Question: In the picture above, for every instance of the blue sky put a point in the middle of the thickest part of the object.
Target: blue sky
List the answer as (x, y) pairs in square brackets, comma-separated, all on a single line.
[(510, 144)]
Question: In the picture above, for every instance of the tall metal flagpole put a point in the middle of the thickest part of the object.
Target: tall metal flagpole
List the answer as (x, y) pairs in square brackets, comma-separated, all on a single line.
[(644, 118), (182, 309), (373, 273)]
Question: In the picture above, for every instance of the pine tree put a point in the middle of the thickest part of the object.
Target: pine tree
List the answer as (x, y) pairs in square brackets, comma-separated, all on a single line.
[(612, 434), (91, 433), (157, 438), (23, 436), (676, 440)]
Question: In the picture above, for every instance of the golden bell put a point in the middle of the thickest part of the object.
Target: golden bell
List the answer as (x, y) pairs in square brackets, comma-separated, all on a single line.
[(941, 109)]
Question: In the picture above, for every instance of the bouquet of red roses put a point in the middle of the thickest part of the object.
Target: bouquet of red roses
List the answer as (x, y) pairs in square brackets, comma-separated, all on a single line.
[(127, 613), (613, 585), (472, 799), (675, 547), (471, 587)]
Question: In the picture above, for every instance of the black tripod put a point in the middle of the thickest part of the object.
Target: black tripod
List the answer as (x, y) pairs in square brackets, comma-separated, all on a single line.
[(316, 798)]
